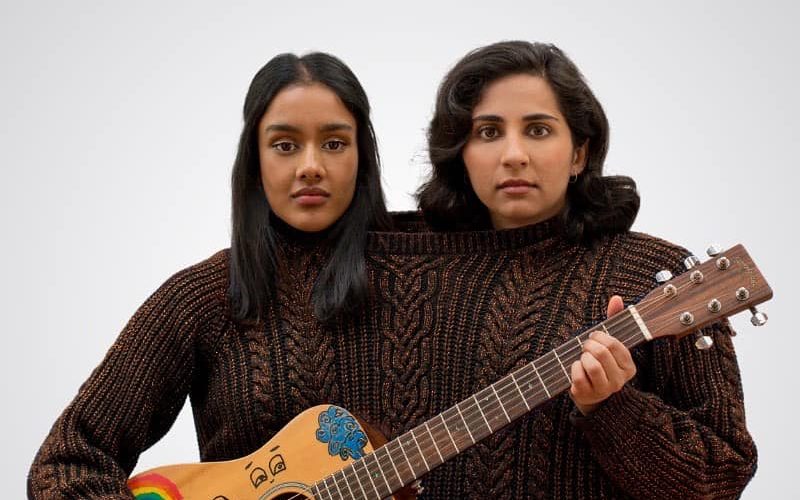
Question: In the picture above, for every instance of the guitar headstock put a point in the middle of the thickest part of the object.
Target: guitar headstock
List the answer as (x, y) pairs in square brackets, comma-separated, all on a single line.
[(729, 282)]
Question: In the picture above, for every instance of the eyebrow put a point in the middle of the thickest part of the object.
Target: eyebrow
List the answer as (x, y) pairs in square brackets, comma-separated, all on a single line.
[(328, 127), (527, 118)]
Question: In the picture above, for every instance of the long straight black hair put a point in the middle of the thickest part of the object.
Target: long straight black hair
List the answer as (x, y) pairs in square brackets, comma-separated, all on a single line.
[(341, 284), (596, 204)]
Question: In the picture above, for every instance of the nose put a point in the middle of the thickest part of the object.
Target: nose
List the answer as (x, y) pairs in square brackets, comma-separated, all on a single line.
[(311, 169), (514, 153)]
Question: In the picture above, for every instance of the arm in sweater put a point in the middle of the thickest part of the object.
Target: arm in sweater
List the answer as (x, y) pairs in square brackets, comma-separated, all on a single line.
[(678, 430), (128, 403)]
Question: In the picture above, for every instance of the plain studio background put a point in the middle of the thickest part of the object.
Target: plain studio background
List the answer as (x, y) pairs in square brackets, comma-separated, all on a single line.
[(120, 124)]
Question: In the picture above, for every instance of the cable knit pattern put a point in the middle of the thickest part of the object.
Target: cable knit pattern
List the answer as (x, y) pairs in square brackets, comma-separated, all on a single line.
[(448, 314)]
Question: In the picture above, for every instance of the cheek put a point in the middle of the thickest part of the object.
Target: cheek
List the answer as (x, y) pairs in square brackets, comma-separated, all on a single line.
[(480, 167)]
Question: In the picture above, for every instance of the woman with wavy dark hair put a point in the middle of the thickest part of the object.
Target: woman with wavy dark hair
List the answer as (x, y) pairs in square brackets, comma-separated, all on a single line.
[(517, 144), (306, 189)]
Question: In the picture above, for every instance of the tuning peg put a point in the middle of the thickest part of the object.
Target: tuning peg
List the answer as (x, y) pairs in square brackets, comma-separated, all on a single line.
[(759, 318), (663, 276), (713, 250), (690, 261), (703, 342)]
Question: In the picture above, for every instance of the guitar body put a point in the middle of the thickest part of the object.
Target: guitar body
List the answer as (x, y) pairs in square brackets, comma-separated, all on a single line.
[(317, 443)]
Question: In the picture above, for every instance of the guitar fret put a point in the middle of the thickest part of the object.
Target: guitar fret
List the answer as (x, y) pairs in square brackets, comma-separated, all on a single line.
[(482, 414), (380, 468), (441, 415), (391, 461), (328, 488), (501, 404), (421, 453), (369, 475), (465, 424), (358, 479), (346, 482), (433, 439), (520, 392), (540, 379), (402, 448), (317, 494), (555, 353)]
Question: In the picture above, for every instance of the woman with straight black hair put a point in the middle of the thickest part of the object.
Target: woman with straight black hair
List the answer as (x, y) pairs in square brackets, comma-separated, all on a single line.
[(341, 283), (306, 189), (517, 145)]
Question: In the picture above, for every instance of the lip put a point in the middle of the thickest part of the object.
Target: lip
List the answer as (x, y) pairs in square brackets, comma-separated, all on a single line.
[(516, 186), (311, 196)]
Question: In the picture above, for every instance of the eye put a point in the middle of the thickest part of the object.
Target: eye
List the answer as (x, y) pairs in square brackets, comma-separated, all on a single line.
[(488, 132), (284, 146), (539, 130), (334, 145)]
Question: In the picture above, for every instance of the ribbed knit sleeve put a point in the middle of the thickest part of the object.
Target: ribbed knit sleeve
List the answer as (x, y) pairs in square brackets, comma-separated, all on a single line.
[(133, 397), (678, 429)]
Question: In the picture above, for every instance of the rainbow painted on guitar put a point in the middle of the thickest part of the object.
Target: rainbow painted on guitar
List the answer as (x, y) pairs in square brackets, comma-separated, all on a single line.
[(154, 487)]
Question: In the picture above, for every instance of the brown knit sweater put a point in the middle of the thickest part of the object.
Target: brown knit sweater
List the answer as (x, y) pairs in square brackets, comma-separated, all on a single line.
[(448, 315)]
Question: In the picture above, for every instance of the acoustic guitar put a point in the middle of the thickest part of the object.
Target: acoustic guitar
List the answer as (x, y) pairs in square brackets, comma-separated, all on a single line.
[(327, 453)]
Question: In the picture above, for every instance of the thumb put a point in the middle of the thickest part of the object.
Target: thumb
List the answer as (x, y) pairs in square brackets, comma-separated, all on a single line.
[(615, 305)]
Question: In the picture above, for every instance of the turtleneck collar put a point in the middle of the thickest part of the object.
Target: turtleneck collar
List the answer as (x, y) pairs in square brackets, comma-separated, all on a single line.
[(411, 235)]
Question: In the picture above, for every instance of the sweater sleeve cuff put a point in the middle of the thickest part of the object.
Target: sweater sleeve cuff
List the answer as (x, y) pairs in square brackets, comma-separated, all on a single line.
[(615, 421)]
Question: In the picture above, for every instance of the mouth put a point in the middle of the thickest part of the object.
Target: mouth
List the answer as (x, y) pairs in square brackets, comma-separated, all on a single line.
[(311, 196), (516, 186)]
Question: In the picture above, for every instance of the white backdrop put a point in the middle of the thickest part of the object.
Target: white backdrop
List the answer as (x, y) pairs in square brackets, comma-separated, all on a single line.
[(120, 122)]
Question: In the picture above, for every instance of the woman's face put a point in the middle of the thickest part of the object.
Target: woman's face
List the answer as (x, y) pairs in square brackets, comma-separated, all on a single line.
[(519, 155), (308, 155)]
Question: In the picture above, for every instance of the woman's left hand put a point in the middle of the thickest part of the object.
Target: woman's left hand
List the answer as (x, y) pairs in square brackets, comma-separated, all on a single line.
[(604, 367)]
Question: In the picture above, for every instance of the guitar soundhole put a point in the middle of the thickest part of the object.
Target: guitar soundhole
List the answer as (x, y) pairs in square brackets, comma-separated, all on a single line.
[(292, 496)]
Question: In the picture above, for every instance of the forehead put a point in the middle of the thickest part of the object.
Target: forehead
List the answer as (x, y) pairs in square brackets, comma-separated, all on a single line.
[(517, 95), (307, 103)]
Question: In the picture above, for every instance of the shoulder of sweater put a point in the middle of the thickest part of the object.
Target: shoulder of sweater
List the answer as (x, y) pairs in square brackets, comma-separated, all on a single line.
[(636, 258), (203, 284), (648, 250)]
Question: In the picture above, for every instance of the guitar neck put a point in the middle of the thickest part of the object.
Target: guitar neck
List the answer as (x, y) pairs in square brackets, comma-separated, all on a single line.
[(710, 292), (409, 456)]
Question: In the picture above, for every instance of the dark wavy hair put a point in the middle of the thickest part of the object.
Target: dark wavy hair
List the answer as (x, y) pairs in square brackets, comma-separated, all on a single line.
[(341, 283), (596, 204)]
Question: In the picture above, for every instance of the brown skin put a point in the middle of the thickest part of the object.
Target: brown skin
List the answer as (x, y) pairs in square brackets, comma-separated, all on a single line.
[(519, 159), (309, 156), (520, 136), (605, 366)]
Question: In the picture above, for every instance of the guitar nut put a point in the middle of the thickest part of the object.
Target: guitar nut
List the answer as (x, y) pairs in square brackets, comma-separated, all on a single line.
[(696, 277), (742, 294), (670, 290), (723, 263), (714, 305), (687, 318)]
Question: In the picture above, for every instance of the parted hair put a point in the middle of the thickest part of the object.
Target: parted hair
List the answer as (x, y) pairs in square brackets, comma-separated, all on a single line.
[(341, 283)]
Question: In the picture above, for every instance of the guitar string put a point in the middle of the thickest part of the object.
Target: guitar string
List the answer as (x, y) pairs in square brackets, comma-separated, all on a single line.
[(476, 414)]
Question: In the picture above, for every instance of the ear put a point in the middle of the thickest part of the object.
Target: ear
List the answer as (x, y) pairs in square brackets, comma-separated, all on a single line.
[(579, 158)]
